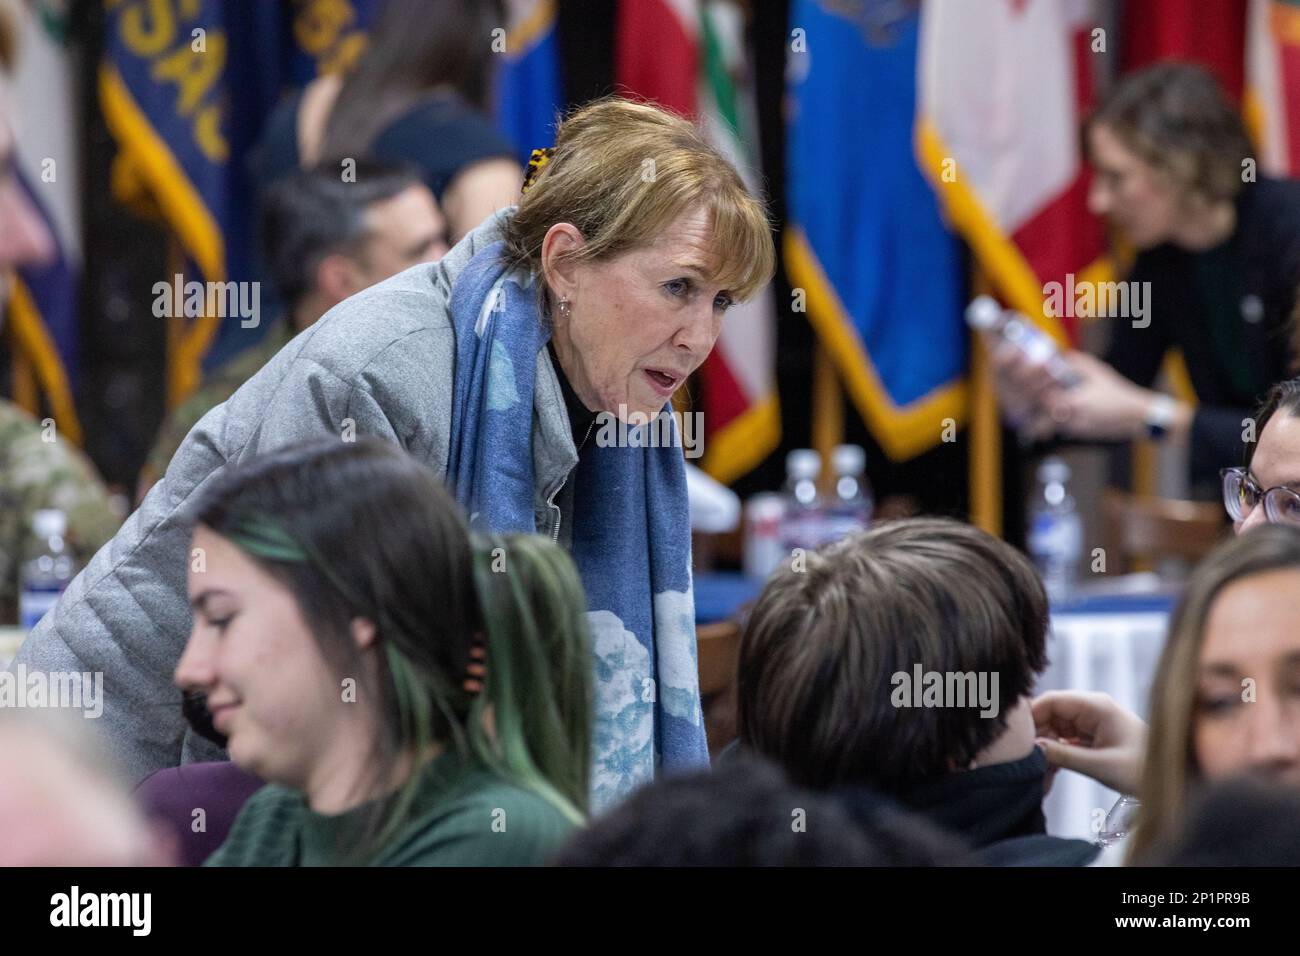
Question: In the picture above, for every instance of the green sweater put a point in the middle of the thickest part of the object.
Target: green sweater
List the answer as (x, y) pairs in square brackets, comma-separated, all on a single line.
[(462, 818)]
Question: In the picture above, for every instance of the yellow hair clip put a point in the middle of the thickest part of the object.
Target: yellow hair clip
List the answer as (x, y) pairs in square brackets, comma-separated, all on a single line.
[(538, 159)]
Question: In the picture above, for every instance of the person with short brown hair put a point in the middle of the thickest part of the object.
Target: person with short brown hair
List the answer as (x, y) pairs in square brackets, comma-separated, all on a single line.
[(1265, 488), (901, 660)]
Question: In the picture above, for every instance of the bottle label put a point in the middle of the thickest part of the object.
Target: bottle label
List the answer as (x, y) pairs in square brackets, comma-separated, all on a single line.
[(33, 603), (1054, 543), (841, 524), (803, 528)]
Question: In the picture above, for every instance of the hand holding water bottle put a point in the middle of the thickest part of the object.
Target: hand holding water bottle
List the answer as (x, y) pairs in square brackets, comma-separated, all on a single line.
[(1029, 371), (1106, 406), (1044, 391)]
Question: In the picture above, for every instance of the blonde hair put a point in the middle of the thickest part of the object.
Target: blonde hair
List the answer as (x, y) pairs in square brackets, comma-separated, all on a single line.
[(621, 172), (1169, 770)]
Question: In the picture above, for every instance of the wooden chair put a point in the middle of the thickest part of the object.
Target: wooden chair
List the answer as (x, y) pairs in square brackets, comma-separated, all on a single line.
[(1142, 529), (712, 551), (719, 649), (718, 646)]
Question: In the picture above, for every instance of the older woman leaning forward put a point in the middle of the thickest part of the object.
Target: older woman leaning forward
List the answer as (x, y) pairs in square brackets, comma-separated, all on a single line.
[(601, 292)]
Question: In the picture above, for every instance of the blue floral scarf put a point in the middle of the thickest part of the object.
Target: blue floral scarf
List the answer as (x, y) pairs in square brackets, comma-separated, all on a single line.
[(630, 531)]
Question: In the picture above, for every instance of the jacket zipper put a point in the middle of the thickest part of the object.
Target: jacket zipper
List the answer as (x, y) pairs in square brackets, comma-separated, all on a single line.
[(550, 500), (550, 503)]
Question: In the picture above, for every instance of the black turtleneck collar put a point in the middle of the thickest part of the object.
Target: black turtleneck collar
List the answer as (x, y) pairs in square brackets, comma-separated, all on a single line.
[(987, 804), (996, 810), (581, 418)]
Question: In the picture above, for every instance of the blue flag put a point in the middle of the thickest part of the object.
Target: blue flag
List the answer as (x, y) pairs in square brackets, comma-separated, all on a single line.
[(529, 92), (185, 87), (879, 273), (43, 316)]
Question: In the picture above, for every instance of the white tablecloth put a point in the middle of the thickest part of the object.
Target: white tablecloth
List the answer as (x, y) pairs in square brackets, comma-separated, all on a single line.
[(1115, 652)]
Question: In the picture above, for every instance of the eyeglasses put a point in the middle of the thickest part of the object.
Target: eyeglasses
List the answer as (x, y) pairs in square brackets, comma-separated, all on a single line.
[(1241, 494)]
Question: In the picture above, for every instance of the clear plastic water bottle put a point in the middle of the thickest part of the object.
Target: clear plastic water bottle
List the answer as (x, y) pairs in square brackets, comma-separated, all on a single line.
[(984, 314), (1055, 530), (48, 569), (803, 520), (850, 507)]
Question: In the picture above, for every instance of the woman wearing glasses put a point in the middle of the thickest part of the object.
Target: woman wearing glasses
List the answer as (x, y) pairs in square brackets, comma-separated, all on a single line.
[(1267, 487)]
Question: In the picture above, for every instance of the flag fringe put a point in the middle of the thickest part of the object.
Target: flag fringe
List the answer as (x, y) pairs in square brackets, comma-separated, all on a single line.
[(903, 432), (195, 226), (33, 341)]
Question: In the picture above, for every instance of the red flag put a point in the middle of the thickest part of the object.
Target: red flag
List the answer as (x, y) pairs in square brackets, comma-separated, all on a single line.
[(1209, 32), (689, 57), (656, 54)]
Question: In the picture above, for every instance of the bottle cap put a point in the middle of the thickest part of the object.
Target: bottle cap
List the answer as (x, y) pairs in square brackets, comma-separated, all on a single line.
[(765, 506), (803, 463), (983, 313), (849, 460), (1053, 469), (49, 522)]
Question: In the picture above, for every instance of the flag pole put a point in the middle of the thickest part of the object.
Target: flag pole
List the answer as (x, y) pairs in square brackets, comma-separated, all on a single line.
[(984, 464), (827, 411)]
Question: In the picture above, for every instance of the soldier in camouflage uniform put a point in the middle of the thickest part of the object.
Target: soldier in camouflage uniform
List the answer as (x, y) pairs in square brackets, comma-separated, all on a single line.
[(325, 239), (39, 469)]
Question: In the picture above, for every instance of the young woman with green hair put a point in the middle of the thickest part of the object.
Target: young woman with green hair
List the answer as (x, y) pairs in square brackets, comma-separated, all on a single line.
[(412, 693)]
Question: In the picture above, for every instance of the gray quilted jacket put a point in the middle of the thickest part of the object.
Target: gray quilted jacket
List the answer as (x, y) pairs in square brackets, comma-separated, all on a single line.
[(383, 360)]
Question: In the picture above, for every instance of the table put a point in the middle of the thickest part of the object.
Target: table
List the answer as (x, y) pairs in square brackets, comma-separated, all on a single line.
[(722, 595)]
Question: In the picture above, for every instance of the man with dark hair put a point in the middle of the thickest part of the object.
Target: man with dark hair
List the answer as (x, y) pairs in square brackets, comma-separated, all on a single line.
[(745, 813), (325, 236), (901, 660)]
